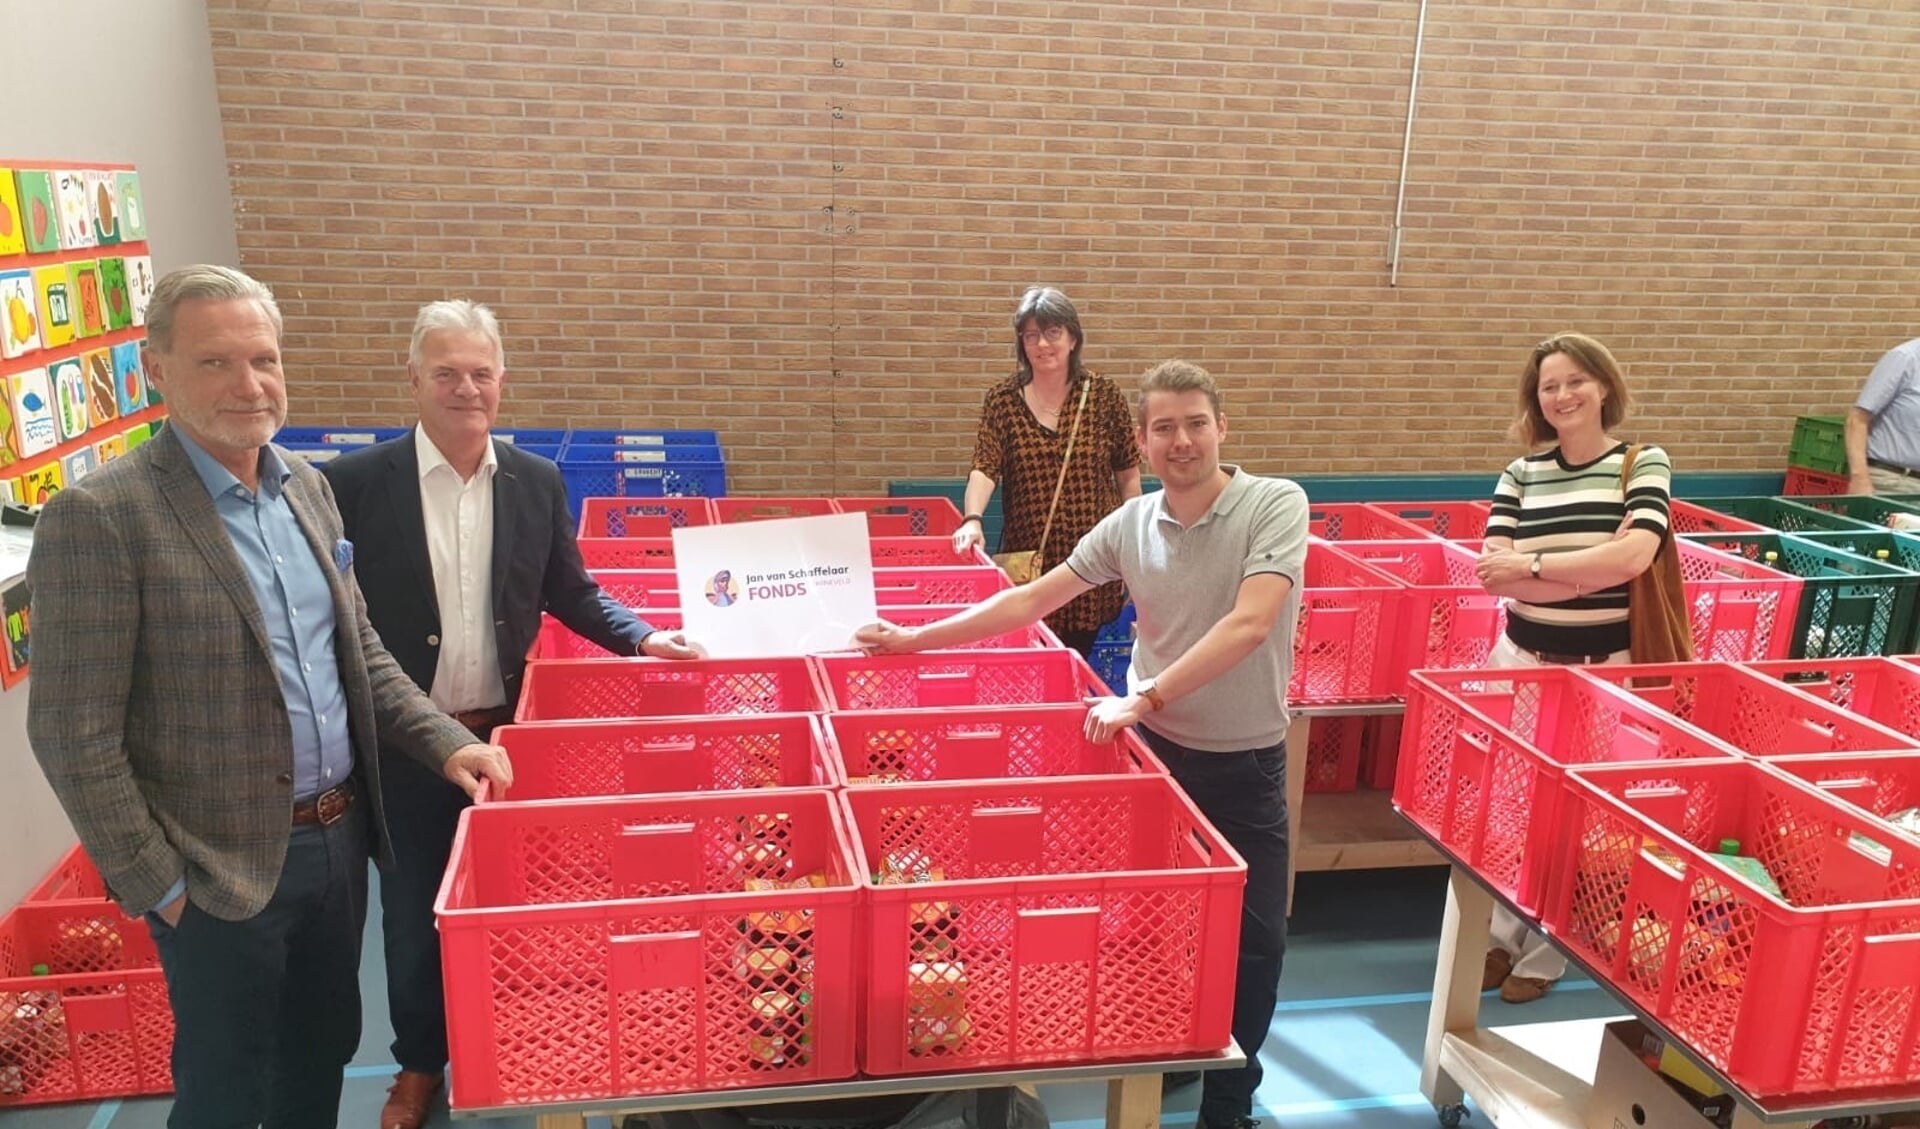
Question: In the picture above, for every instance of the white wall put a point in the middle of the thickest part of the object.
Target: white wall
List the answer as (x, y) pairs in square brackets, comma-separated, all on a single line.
[(138, 89)]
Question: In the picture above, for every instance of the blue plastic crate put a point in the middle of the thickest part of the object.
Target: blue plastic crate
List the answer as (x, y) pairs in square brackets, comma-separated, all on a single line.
[(1120, 630), (642, 437), (318, 453), (595, 479), (574, 451), (1110, 661), (544, 450), (532, 436), (339, 435)]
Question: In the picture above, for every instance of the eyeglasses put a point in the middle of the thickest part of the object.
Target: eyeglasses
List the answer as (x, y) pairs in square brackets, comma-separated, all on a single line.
[(1053, 335)]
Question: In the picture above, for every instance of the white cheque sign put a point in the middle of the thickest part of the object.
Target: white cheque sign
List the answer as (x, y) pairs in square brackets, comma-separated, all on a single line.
[(792, 586)]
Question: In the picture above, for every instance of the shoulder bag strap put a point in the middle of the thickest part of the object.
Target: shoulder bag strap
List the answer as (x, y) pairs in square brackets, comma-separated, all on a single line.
[(1086, 384)]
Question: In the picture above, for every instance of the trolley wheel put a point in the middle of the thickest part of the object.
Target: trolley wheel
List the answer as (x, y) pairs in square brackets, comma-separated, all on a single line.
[(1452, 1115)]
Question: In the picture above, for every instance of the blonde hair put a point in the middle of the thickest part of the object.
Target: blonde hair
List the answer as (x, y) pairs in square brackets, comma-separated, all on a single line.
[(1177, 376), (197, 283)]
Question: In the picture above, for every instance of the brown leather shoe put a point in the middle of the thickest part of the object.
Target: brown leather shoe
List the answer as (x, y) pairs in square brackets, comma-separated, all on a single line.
[(1523, 989), (409, 1098), (1499, 966)]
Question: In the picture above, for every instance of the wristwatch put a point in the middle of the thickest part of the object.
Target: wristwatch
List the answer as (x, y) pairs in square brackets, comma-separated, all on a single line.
[(1535, 566), (1147, 691)]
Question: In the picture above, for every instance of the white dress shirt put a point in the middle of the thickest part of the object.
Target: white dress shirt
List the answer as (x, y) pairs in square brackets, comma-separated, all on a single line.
[(459, 520)]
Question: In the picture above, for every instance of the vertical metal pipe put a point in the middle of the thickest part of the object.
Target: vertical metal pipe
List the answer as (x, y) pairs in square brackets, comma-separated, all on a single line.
[(1406, 150)]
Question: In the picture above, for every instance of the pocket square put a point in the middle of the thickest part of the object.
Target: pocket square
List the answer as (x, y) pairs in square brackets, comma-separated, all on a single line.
[(342, 555)]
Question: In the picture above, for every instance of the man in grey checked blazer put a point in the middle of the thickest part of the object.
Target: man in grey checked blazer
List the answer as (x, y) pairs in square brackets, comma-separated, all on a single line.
[(207, 702)]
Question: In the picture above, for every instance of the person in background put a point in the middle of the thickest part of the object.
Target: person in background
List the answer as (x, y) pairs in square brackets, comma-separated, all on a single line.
[(1883, 427), (1021, 443), (464, 542), (208, 703), (1562, 542), (1214, 563)]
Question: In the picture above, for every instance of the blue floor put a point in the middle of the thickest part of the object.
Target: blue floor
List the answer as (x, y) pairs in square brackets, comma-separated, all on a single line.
[(1344, 1052)]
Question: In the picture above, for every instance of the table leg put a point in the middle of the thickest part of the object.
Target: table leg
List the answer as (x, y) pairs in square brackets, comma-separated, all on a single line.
[(565, 1121), (1744, 1118), (1133, 1102), (1296, 793), (1456, 980)]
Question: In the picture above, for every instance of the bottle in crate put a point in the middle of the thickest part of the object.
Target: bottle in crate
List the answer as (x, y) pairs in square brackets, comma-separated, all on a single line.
[(779, 1029)]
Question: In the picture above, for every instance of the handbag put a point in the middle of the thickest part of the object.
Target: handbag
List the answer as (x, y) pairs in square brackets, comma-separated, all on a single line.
[(1658, 630), (1025, 566)]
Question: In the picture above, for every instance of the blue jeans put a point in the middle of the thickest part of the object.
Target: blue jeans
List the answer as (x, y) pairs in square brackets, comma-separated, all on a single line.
[(1244, 796), (267, 1010)]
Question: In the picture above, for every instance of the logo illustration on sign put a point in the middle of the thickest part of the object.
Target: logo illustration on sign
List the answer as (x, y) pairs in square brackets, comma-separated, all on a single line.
[(723, 591)]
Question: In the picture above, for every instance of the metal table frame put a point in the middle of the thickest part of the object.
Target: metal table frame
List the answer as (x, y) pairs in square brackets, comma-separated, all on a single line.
[(1133, 1092)]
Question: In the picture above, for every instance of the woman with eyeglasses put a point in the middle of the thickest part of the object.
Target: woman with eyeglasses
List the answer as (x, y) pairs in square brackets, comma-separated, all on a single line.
[(1570, 527), (1026, 424)]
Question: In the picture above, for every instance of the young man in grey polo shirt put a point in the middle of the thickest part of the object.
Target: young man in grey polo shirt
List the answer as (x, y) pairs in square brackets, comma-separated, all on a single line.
[(1214, 563)]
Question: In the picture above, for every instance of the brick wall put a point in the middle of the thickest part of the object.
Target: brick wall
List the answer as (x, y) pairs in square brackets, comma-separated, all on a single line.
[(805, 224)]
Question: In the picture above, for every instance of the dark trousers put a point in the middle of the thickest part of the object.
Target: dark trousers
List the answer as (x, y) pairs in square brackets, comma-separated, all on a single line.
[(1081, 641), (267, 1010), (1244, 796), (423, 808)]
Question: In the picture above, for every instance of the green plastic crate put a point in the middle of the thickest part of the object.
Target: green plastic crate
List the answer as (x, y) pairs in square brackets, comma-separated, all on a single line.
[(1873, 509), (1783, 515), (1901, 550), (1849, 605), (1819, 443)]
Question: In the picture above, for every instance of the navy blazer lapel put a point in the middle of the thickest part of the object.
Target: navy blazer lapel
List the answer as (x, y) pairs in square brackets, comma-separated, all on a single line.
[(410, 522), (182, 490), (507, 503)]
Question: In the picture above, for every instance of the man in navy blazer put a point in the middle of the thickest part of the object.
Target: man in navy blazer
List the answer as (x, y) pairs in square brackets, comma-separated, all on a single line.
[(211, 707), (462, 542)]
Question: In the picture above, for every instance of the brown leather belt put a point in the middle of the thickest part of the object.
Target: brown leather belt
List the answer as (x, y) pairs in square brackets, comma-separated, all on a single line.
[(326, 808), (482, 723), (1894, 467)]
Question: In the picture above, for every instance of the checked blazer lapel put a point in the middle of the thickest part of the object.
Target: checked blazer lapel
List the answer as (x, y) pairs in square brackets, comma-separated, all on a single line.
[(187, 496)]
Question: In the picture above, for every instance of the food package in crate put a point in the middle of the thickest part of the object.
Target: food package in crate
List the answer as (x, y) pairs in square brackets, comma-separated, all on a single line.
[(1482, 754), (897, 746), (84, 1012), (1028, 922), (563, 759), (584, 942), (1667, 887)]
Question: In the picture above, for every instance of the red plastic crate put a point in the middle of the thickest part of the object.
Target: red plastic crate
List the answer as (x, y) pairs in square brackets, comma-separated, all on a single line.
[(1801, 480), (558, 760), (1449, 521), (1811, 994), (732, 509), (1447, 620), (1482, 754), (941, 679), (557, 641), (885, 747), (641, 517), (1753, 713), (904, 516), (73, 879), (1334, 748), (895, 586), (99, 1025), (1358, 521), (1738, 609), (924, 552), (578, 689), (1381, 757), (610, 948), (1344, 642), (1884, 690), (1092, 919), (627, 553), (1881, 783), (915, 615), (1686, 517), (639, 587)]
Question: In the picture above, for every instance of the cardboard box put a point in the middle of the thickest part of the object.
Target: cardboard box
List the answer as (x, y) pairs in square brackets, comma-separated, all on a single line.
[(1628, 1094)]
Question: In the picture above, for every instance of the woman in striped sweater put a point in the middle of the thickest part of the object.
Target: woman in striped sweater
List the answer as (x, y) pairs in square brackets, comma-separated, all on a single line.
[(1565, 536)]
